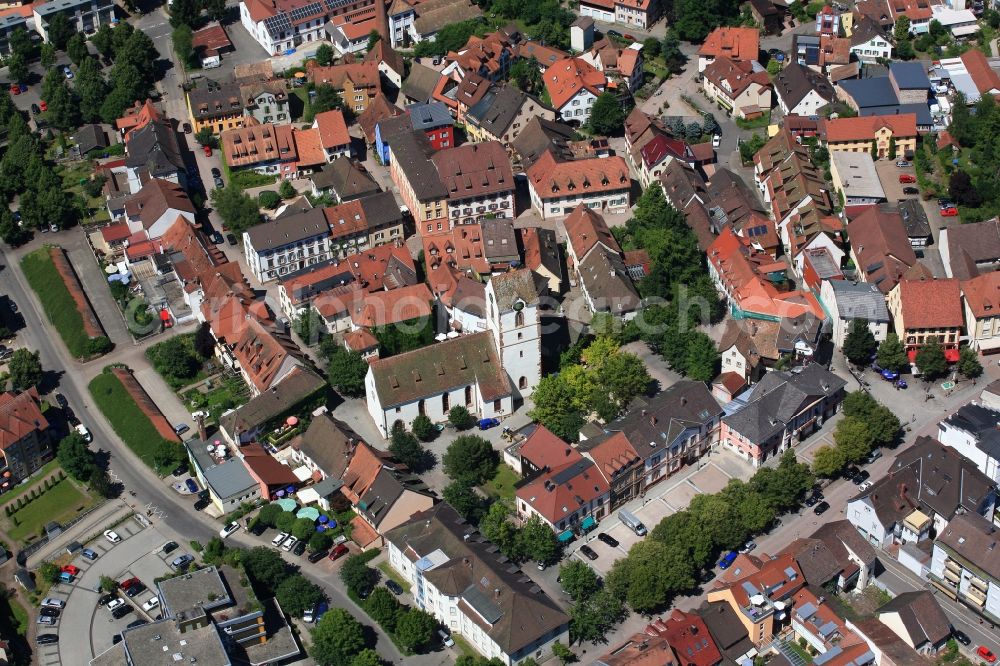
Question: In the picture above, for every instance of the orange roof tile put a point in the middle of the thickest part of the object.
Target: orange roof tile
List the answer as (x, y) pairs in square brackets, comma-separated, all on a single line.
[(20, 415), (933, 303), (308, 148), (614, 454), (598, 174), (462, 249), (586, 228), (567, 77), (383, 308), (579, 482), (257, 143), (983, 294), (987, 81), (544, 449), (332, 128), (739, 43), (864, 128)]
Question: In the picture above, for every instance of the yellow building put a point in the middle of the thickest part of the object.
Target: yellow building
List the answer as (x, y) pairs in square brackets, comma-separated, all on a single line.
[(218, 108), (858, 134), (927, 311)]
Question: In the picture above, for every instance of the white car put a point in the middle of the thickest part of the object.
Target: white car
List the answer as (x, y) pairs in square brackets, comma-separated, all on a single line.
[(45, 619), (716, 141), (151, 603), (115, 603), (309, 615), (280, 539), (52, 602), (865, 485), (83, 432), (289, 544), (112, 536), (229, 529)]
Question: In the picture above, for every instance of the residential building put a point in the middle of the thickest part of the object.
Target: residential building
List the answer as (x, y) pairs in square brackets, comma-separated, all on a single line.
[(434, 120), (462, 580), (25, 437), (725, 628), (927, 486), (621, 466), (880, 249), (742, 87), (358, 83), (781, 409), (479, 182), (279, 26), (802, 91), (226, 478), (970, 249), (639, 13), (982, 315), (818, 625), (760, 597), (217, 107), (420, 188), (972, 75), (287, 245), (688, 638), (270, 475), (155, 208), (595, 259), (364, 223), (638, 649), (574, 85), (390, 63), (541, 255), (540, 136), (431, 16), (856, 180), (558, 187), (568, 495), (420, 84), (265, 101), (621, 65), (265, 148), (768, 15), (388, 129), (392, 499), (657, 154), (847, 301), (877, 97), (917, 618), (461, 371), (380, 109), (502, 113), (739, 44), (333, 136), (835, 554), (869, 43), (965, 564), (884, 132), (748, 348), (974, 431), (918, 11), (598, 10), (264, 356), (345, 179), (925, 311), (86, 16), (918, 228), (152, 151)]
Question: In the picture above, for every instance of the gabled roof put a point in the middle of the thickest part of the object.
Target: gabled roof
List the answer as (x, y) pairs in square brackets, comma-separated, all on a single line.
[(553, 179), (560, 491), (262, 353), (934, 303), (497, 109), (973, 540), (733, 77), (540, 249), (347, 177), (971, 244), (378, 109), (539, 136), (565, 78), (740, 43), (795, 81), (155, 198), (332, 129), (474, 170), (857, 300), (982, 295), (882, 247), (20, 415), (360, 74), (155, 147), (586, 228), (420, 84), (923, 619), (903, 125), (689, 637)]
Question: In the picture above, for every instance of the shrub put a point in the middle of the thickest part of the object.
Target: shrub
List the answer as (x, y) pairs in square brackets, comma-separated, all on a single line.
[(460, 418), (424, 428)]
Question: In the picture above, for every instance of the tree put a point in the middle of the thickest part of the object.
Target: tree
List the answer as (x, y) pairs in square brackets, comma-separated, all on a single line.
[(383, 608), (108, 584), (701, 359), (963, 190), (883, 424), (265, 566), (828, 461), (237, 210), (405, 447), (168, 455), (326, 99), (891, 355), (268, 199), (64, 108), (367, 657), (651, 574), (183, 40), (538, 542), (204, 341), (76, 49), (497, 528), (216, 9), (103, 40), (424, 428), (319, 541), (357, 575), (415, 629), (373, 38), (526, 76), (303, 528), (75, 457), (968, 363), (25, 368), (853, 438), (184, 12), (892, 147), (174, 358), (337, 638), (20, 44), (49, 573), (750, 147), (470, 459), (931, 361), (578, 580), (47, 55), (773, 67), (60, 31), (460, 418), (100, 482), (286, 190), (92, 90), (556, 408), (859, 344), (205, 137), (901, 30), (606, 115), (465, 500), (563, 653), (296, 595), (346, 370), (17, 68), (10, 232), (324, 55)]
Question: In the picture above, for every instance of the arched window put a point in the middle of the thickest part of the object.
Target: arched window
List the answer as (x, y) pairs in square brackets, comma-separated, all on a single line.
[(522, 383), (468, 396), (445, 402), (519, 318)]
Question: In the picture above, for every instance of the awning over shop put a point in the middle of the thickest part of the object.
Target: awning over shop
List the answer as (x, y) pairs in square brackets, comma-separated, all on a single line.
[(302, 473), (951, 355), (566, 536), (308, 496), (588, 523)]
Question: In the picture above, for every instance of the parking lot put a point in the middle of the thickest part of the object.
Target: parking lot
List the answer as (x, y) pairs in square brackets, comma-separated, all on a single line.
[(86, 629)]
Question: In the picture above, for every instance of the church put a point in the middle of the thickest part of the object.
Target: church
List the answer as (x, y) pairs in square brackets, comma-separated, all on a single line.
[(485, 371)]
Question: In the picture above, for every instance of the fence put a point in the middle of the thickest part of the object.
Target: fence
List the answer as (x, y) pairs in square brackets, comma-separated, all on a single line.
[(35, 546)]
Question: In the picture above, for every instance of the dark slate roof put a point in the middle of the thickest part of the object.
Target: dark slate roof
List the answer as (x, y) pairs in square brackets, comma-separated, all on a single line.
[(795, 81), (347, 177), (841, 536), (411, 151), (428, 115), (288, 230), (982, 423), (726, 629), (922, 617), (498, 108), (89, 137), (540, 135), (909, 76), (859, 300), (922, 111), (914, 219), (381, 210), (876, 92), (778, 397), (387, 488), (419, 85), (155, 147)]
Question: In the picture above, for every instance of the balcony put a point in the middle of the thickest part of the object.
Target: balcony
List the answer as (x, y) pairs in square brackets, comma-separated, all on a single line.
[(952, 565), (952, 576), (979, 584), (975, 596)]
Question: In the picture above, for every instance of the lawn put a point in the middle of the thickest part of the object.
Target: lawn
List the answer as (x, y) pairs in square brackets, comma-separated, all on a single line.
[(60, 503), (228, 391), (763, 121), (389, 572), (501, 486), (56, 300), (12, 495), (131, 424), (72, 177)]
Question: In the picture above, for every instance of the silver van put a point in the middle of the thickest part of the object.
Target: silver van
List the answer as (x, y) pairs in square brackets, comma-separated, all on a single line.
[(632, 522)]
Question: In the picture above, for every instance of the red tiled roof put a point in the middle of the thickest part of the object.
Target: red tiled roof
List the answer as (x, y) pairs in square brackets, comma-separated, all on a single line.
[(983, 294), (20, 415), (308, 147), (552, 179), (567, 77), (115, 233), (733, 43), (259, 10), (689, 637), (614, 454), (258, 143), (383, 308), (363, 74), (934, 303), (556, 501), (261, 354), (586, 228), (263, 467), (733, 77), (913, 9), (474, 170), (544, 449), (863, 128), (360, 340), (463, 246), (332, 128), (987, 81), (661, 147), (211, 39)]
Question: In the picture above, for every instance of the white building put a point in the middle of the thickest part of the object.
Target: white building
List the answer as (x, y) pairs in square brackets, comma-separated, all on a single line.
[(458, 577), (868, 43), (278, 31), (599, 183), (974, 431), (965, 564), (573, 85), (288, 244), (512, 317), (847, 301), (430, 381), (84, 15)]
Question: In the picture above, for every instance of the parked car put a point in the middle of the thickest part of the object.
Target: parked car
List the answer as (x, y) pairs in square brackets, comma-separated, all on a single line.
[(47, 639), (902, 164), (168, 547), (317, 556), (208, 150), (121, 612), (43, 105), (134, 590), (219, 183), (231, 239), (289, 544), (910, 190), (864, 485), (486, 424), (300, 548), (150, 604), (716, 141), (728, 559), (749, 546), (112, 536), (338, 552), (200, 504), (49, 612), (61, 400), (191, 485), (136, 623), (851, 472), (446, 638), (45, 619), (961, 636), (280, 539), (907, 178), (181, 428), (217, 238), (588, 552), (861, 477), (610, 540), (181, 561), (129, 582), (84, 432), (985, 654), (874, 455), (229, 529), (394, 587), (116, 603), (821, 508), (70, 569), (105, 599), (949, 212), (614, 33), (68, 72), (52, 602), (309, 615), (186, 127), (216, 173)]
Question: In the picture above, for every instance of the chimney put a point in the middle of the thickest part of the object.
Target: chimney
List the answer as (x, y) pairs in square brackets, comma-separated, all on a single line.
[(202, 430)]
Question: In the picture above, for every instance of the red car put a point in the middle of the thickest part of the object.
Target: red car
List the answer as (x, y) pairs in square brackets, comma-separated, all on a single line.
[(628, 36), (208, 150), (71, 569), (950, 211), (907, 178), (43, 106), (984, 653), (338, 552), (15, 90), (125, 584)]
